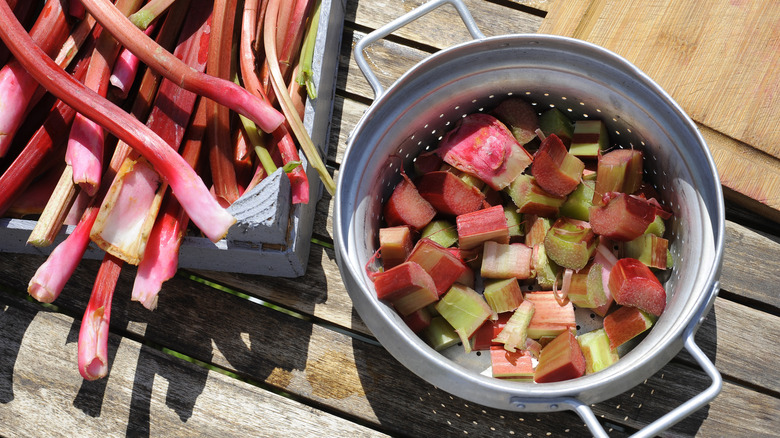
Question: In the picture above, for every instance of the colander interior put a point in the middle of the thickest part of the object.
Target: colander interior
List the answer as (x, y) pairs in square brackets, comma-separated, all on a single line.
[(583, 82)]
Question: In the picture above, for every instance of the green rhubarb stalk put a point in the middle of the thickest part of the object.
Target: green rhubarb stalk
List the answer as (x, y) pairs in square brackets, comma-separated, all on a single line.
[(153, 9), (306, 72), (60, 201)]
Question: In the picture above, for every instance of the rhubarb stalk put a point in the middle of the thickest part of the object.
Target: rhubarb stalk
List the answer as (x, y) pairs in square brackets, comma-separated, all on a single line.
[(93, 335), (161, 257), (153, 9), (223, 172), (85, 145), (204, 211), (280, 89), (17, 86), (125, 69), (162, 61)]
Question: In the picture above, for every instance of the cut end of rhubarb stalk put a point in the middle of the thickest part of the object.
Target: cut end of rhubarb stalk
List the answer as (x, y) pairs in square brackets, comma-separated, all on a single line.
[(41, 292)]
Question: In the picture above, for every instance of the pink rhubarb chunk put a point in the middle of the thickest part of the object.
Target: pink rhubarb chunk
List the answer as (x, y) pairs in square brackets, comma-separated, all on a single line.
[(483, 146)]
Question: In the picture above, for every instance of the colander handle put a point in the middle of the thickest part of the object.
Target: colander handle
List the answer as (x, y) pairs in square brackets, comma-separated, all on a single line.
[(400, 22), (685, 409)]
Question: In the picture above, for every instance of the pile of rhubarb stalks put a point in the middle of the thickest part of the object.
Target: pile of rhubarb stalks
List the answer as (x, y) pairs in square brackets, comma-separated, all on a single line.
[(138, 122), (491, 246)]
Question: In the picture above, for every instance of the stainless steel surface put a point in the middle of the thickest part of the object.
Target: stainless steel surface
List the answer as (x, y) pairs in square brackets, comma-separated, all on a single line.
[(584, 81)]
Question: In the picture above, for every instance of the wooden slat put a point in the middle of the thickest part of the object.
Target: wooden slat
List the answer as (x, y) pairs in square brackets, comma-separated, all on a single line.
[(443, 27), (751, 265), (148, 393)]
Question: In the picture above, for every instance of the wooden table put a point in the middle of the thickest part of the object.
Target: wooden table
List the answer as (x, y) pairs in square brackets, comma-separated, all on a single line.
[(242, 355)]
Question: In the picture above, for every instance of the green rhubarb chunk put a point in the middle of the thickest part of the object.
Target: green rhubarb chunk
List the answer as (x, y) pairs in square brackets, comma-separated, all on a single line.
[(515, 332), (553, 121), (530, 198), (439, 334), (579, 202), (570, 243), (465, 310), (657, 227), (587, 288), (536, 229), (669, 260), (442, 232), (545, 270), (595, 348), (648, 249), (590, 137), (471, 180), (503, 295), (514, 220)]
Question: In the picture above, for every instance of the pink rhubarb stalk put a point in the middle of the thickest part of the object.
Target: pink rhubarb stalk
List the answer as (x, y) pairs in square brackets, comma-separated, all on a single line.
[(48, 281), (17, 86), (213, 220), (125, 69), (162, 61), (161, 258), (85, 145), (93, 335)]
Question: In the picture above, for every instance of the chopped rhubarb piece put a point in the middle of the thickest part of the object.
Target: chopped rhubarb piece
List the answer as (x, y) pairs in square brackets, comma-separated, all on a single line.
[(618, 171), (520, 117), (449, 194), (439, 334), (550, 318), (561, 359), (570, 243), (553, 121), (514, 221), (418, 320), (402, 280), (625, 324), (597, 350), (481, 226), (556, 170), (427, 162), (543, 269), (587, 287), (515, 332), (503, 295), (500, 260), (517, 365), (407, 207), (483, 146), (648, 249), (657, 227), (444, 267), (589, 139), (579, 202), (482, 339), (395, 245), (530, 198), (465, 310), (442, 232), (623, 218), (632, 283), (536, 228)]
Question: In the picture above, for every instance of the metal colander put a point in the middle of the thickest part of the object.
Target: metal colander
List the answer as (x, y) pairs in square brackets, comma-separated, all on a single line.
[(585, 82)]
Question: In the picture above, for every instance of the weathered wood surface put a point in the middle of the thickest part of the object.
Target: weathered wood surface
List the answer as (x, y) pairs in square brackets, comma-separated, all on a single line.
[(310, 366)]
